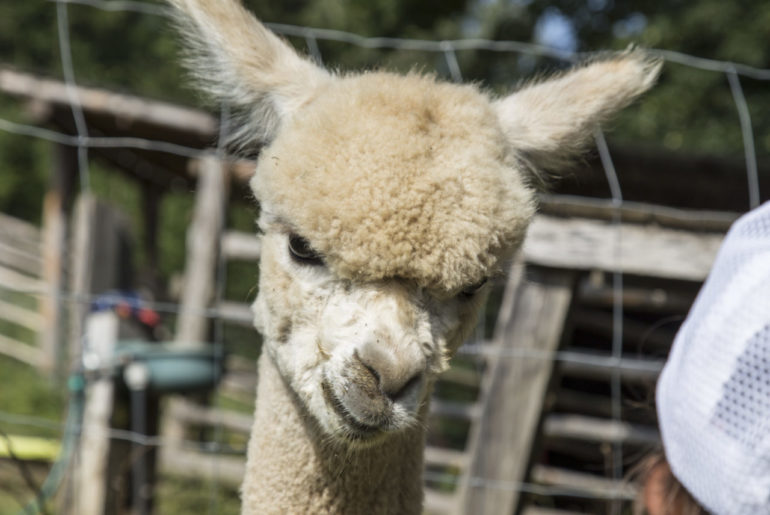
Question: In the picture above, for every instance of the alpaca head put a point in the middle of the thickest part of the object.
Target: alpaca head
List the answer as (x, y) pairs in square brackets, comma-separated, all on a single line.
[(387, 201)]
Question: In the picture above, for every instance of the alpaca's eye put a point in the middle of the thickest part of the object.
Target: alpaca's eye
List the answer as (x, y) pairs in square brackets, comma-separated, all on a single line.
[(471, 290), (301, 251)]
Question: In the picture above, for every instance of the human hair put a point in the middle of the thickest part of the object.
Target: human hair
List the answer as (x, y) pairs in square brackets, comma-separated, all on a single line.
[(660, 492)]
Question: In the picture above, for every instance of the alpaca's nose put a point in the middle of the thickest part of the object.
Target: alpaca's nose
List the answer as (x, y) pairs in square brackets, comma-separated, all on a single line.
[(395, 372)]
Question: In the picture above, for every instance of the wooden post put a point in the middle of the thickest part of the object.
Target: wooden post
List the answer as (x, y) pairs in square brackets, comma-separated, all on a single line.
[(100, 259), (92, 473), (56, 206), (203, 238), (502, 440), (106, 467)]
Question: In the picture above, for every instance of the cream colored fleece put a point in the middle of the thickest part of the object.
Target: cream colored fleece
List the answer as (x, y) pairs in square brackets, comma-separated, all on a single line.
[(294, 469), (391, 176)]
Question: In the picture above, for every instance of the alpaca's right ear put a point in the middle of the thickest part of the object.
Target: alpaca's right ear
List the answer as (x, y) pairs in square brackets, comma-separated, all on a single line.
[(236, 60), (552, 121)]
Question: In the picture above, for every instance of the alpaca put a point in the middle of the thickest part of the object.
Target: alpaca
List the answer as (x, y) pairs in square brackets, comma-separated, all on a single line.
[(386, 203)]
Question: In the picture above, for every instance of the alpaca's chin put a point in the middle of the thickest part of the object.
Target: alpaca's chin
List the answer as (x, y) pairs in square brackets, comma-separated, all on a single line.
[(348, 426), (353, 438)]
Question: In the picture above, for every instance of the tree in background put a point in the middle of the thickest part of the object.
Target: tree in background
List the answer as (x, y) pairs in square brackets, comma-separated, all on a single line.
[(691, 110)]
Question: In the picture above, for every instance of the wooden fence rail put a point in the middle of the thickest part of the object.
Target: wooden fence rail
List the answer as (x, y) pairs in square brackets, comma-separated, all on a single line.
[(20, 277)]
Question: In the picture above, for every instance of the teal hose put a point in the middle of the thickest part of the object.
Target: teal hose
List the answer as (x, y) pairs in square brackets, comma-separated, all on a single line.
[(76, 386)]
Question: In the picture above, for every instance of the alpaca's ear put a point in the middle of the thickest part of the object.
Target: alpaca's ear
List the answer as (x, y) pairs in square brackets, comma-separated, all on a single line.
[(552, 121), (236, 60)]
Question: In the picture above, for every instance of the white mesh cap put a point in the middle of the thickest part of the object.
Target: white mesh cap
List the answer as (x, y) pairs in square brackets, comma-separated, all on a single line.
[(713, 396)]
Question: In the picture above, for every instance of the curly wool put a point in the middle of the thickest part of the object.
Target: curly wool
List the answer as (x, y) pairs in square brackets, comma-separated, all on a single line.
[(398, 176)]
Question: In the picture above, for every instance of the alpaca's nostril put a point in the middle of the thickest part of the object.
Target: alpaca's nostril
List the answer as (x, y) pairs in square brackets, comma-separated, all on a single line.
[(366, 377), (390, 377), (407, 387), (372, 371)]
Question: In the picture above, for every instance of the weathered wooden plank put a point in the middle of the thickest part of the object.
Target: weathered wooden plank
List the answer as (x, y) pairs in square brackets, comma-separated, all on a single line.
[(600, 323), (53, 243), (597, 291), (236, 312), (597, 366), (503, 441), (576, 401), (240, 379), (504, 316), (646, 250), (191, 413), (583, 484), (14, 256), (637, 213), (190, 463), (463, 410), (14, 229), (203, 237), (438, 503), (93, 460), (593, 429), (18, 315), (539, 510), (575, 362), (127, 109), (12, 280), (20, 351), (461, 376), (239, 386), (446, 457), (241, 245), (585, 244), (54, 250), (239, 364), (82, 265)]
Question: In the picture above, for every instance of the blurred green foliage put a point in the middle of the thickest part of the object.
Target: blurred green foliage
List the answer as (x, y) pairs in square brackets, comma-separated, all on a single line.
[(137, 53)]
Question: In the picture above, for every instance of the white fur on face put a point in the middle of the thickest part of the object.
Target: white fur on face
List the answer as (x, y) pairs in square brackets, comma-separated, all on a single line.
[(326, 335)]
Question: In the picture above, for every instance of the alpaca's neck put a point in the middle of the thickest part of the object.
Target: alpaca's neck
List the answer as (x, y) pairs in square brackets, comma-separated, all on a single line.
[(291, 469)]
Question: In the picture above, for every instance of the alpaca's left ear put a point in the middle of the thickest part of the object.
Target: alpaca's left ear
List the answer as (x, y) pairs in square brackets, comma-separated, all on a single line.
[(552, 121), (236, 60)]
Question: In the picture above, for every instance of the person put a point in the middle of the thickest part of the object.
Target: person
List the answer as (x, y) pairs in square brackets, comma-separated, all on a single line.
[(713, 395)]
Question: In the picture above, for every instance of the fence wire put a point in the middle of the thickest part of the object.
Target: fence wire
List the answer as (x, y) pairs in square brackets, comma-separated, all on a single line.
[(448, 48)]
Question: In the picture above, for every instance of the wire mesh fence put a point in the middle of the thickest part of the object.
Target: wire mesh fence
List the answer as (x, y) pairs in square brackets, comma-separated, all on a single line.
[(617, 363)]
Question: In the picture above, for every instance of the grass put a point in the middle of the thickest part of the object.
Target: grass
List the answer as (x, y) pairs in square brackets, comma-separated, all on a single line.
[(174, 495), (178, 495), (26, 393), (36, 396), (15, 492)]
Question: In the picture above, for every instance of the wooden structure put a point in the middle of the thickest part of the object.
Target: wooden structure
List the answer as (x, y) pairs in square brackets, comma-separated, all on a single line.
[(526, 419), (92, 475), (202, 251), (101, 263), (21, 274)]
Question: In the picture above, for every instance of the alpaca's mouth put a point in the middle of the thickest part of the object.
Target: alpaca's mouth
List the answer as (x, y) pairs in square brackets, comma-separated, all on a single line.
[(355, 429)]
